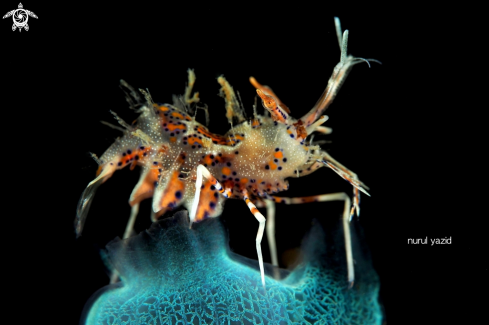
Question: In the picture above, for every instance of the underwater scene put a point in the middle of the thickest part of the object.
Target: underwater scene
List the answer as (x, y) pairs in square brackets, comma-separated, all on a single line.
[(182, 270)]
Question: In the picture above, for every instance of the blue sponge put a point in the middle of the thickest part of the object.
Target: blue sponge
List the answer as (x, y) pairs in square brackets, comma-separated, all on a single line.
[(171, 274)]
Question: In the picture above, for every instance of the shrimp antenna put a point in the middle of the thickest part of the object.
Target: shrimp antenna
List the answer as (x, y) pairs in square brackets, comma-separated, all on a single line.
[(340, 72)]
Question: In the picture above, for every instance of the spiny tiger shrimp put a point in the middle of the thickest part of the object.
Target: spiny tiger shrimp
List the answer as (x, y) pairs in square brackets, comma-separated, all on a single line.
[(184, 164)]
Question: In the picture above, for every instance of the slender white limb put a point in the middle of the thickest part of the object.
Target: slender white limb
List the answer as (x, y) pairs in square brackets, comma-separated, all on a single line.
[(324, 130), (271, 231), (126, 126), (356, 202), (131, 221), (259, 235), (204, 172), (127, 233), (87, 198), (313, 127), (337, 26), (115, 127), (272, 244), (349, 176), (353, 179), (347, 213), (348, 247), (114, 277), (154, 217), (198, 185)]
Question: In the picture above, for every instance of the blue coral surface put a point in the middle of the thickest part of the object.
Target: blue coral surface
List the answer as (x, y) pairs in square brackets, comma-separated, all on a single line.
[(175, 275)]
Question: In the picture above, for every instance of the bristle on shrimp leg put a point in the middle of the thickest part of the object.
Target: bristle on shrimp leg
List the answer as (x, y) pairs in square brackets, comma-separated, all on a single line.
[(347, 214)]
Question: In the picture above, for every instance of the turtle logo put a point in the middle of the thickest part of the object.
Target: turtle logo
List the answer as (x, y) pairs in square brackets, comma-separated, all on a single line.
[(20, 17)]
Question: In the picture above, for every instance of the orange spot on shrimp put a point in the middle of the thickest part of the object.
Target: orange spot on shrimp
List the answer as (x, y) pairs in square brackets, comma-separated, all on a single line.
[(207, 203), (99, 170), (176, 114), (244, 180), (193, 140), (207, 160), (278, 154), (173, 139), (172, 127), (273, 166), (173, 193), (216, 138), (226, 171)]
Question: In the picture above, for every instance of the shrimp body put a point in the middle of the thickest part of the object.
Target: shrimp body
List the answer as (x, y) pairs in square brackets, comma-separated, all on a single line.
[(183, 164), (258, 155)]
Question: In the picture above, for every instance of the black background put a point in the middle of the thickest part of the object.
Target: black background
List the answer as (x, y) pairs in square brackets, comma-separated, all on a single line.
[(398, 125)]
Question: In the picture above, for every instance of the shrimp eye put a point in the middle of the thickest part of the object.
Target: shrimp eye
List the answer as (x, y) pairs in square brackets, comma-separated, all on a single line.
[(269, 102)]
